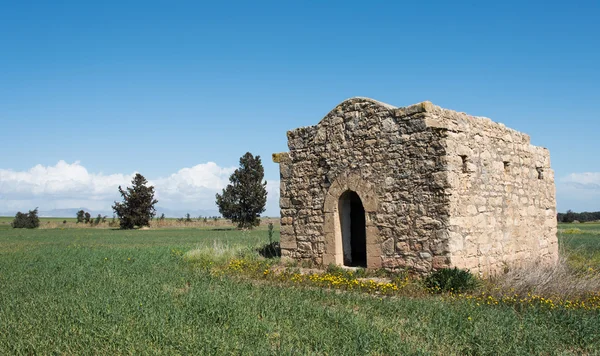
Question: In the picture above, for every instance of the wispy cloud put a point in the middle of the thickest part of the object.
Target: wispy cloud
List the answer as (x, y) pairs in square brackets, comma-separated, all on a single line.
[(587, 180), (579, 192)]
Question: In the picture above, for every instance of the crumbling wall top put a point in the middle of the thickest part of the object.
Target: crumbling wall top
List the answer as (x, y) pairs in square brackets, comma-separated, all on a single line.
[(439, 118)]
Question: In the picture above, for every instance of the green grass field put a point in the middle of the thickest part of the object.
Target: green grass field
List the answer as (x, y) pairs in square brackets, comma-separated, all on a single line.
[(583, 241), (102, 291)]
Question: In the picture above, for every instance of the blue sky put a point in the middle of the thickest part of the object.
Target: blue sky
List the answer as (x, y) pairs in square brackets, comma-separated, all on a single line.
[(180, 90)]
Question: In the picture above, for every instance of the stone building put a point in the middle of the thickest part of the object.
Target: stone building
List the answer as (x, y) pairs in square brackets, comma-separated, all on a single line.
[(418, 187)]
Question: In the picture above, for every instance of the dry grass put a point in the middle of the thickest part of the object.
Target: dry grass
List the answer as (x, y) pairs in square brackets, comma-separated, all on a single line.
[(558, 280), (174, 223), (72, 225), (209, 223), (219, 253), (154, 224)]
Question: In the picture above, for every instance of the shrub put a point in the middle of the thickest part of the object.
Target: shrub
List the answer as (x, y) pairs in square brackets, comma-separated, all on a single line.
[(332, 268), (27, 221), (451, 279), (272, 249)]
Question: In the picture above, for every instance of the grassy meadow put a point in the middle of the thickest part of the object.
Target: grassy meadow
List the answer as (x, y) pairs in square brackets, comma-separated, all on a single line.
[(583, 243), (106, 291)]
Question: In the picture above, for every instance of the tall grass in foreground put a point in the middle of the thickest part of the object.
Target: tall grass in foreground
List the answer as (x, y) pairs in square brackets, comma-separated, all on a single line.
[(100, 291)]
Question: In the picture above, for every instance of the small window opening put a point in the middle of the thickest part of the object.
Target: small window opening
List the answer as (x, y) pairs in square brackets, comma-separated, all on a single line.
[(540, 171), (465, 169), (506, 166)]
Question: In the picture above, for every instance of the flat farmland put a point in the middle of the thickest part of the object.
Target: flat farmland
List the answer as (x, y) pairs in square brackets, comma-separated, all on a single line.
[(106, 291)]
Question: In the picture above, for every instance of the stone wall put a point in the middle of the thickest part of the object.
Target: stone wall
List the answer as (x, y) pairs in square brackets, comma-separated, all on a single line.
[(439, 189), (502, 195)]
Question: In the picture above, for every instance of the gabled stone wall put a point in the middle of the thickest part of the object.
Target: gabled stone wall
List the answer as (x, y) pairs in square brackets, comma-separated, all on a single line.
[(396, 165), (434, 185)]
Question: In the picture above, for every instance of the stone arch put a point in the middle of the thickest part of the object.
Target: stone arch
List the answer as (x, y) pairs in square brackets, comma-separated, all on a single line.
[(350, 181)]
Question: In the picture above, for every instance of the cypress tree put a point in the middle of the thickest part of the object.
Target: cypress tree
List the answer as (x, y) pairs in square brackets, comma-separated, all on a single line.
[(245, 197)]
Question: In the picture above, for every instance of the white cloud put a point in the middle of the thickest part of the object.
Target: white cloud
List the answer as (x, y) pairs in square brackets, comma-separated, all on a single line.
[(63, 181), (588, 180), (71, 186), (192, 186), (579, 192)]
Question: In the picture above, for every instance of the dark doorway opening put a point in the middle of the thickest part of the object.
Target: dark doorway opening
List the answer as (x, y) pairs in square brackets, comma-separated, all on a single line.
[(354, 233)]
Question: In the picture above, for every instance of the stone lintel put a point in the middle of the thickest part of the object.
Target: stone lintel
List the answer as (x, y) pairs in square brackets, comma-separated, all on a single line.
[(281, 156)]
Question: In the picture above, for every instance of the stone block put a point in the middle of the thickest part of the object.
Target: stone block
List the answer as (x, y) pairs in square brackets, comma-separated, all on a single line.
[(388, 247), (287, 230), (305, 246), (288, 242)]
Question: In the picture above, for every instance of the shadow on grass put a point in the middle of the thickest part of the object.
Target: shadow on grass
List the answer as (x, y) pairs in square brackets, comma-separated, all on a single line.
[(271, 250)]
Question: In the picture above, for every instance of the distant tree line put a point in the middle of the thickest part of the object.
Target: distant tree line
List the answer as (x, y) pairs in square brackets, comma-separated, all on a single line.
[(86, 218), (242, 201), (188, 218), (571, 216)]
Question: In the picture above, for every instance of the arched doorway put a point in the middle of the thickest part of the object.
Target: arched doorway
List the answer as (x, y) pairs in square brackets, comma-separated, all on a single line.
[(353, 226), (332, 230)]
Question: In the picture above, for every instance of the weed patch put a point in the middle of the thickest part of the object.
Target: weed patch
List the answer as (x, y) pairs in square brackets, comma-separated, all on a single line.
[(451, 280), (450, 284)]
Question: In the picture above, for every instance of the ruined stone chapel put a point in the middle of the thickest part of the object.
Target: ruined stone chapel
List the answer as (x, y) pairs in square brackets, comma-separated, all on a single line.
[(417, 187)]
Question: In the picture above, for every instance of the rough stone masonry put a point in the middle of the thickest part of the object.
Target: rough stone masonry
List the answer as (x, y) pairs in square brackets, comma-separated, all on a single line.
[(418, 187)]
